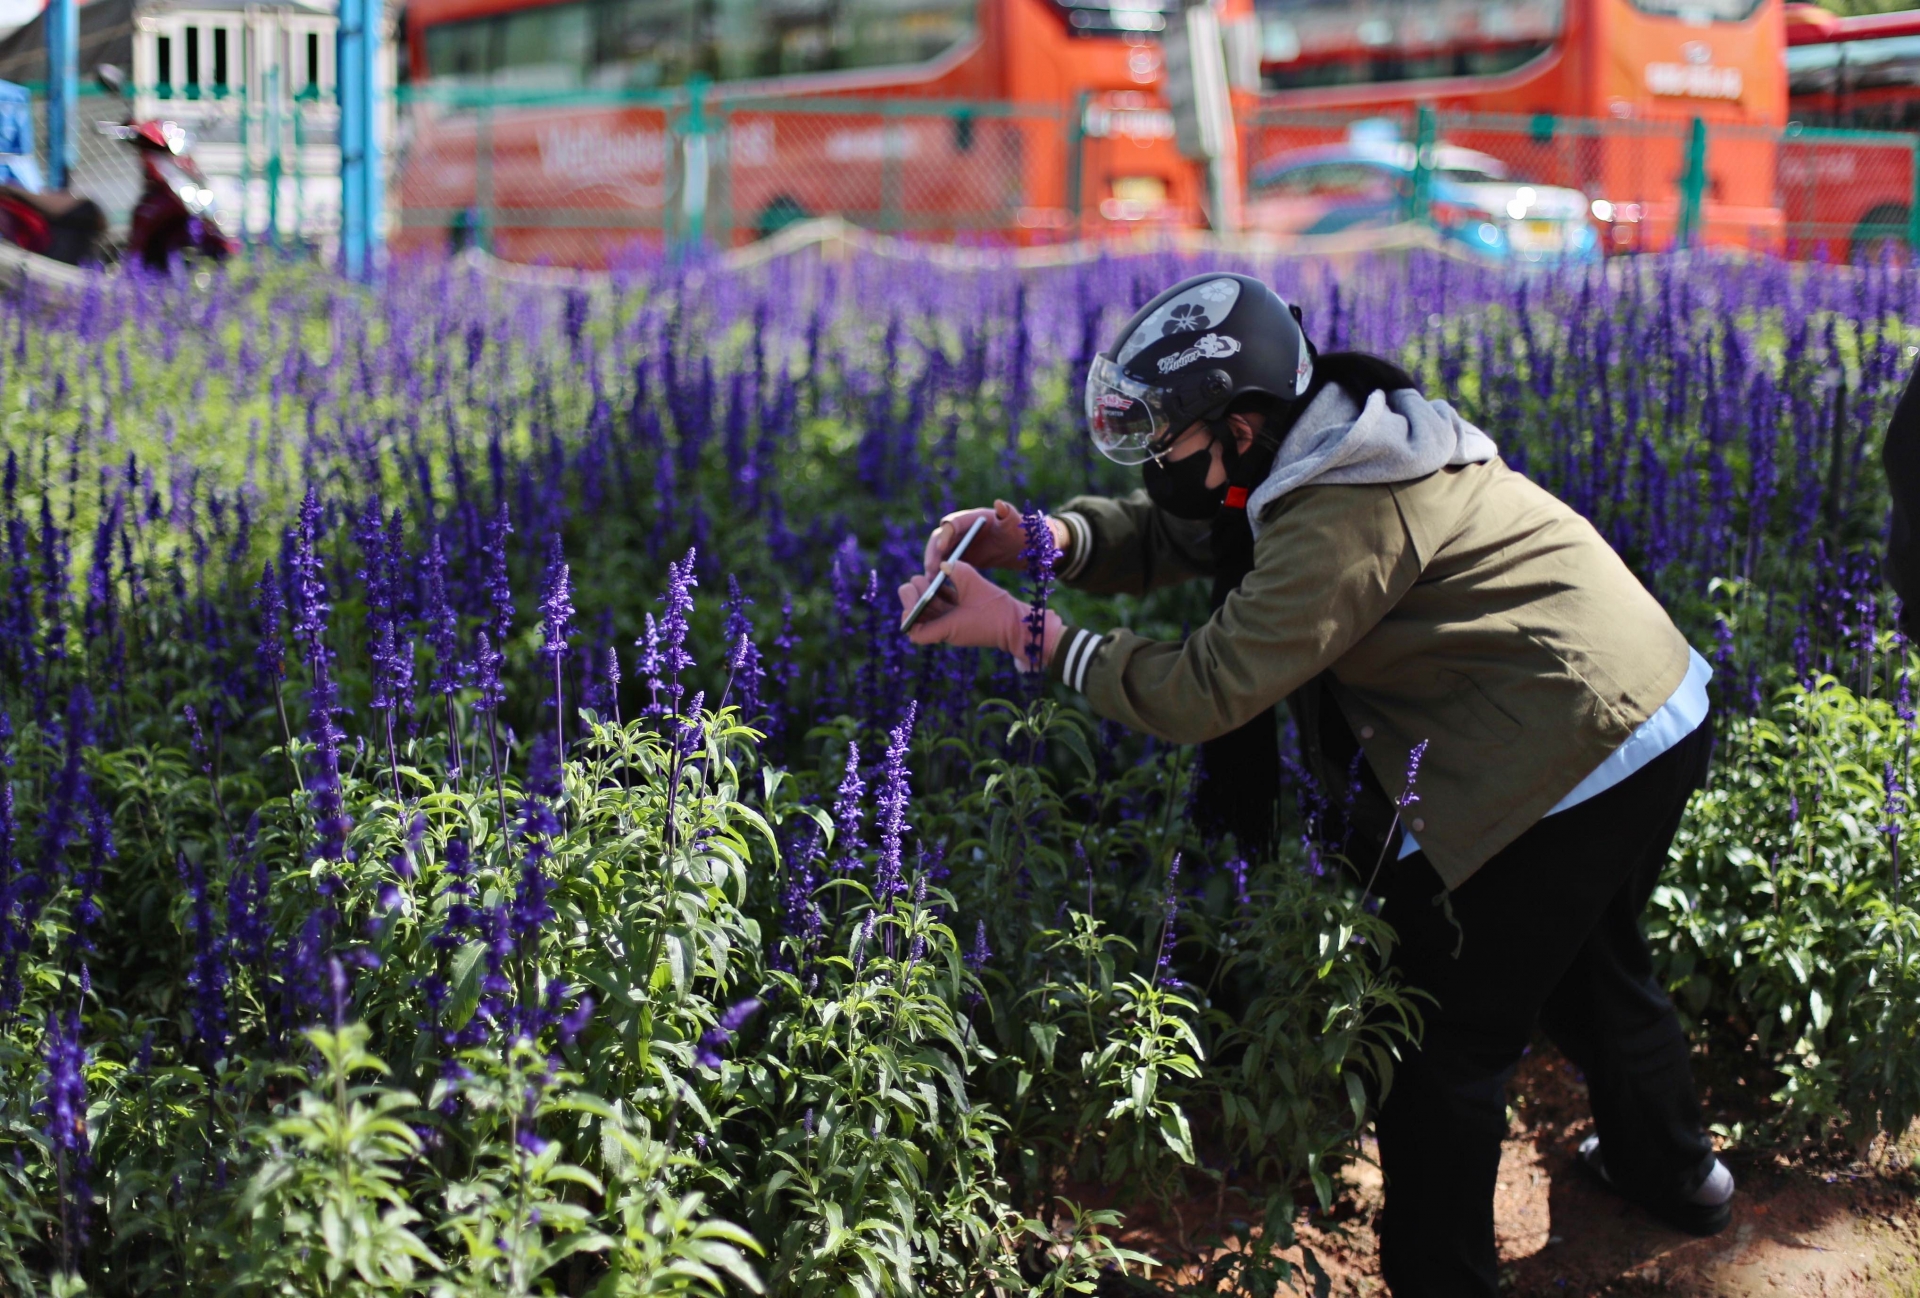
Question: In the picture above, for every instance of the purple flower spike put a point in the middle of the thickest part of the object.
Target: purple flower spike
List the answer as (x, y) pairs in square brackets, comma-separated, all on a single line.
[(652, 665), (310, 588), (707, 1054), (499, 592), (576, 1021), (556, 603), (1407, 796), (743, 656), (65, 1110), (674, 657), (1041, 554), (893, 799), (270, 654), (846, 814), (487, 662), (977, 958), (443, 628)]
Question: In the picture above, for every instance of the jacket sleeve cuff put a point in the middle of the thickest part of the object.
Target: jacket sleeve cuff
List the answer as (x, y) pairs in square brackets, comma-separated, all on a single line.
[(1079, 546), (1070, 661)]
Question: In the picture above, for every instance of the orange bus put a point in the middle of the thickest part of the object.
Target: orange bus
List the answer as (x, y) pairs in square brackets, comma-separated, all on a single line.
[(565, 129), (1845, 77), (1594, 95)]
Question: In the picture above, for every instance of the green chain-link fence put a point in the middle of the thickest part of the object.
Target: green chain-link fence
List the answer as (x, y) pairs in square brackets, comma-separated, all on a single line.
[(1644, 185), (575, 178), (272, 162)]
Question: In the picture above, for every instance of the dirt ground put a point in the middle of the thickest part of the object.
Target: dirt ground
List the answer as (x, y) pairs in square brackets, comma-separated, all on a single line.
[(1834, 1227)]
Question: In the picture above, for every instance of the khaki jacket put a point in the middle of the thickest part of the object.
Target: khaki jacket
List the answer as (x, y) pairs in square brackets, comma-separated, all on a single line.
[(1469, 608)]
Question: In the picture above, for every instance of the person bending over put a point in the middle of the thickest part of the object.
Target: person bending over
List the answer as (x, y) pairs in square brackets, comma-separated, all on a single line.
[(1415, 603)]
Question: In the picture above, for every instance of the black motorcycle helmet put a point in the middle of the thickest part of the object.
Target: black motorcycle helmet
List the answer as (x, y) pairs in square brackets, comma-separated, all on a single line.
[(1186, 356)]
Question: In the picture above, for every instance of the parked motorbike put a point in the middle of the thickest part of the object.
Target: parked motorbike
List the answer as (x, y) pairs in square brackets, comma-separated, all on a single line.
[(175, 215), (53, 223)]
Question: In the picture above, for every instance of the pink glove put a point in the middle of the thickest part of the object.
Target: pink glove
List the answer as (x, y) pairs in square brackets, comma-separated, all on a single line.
[(998, 545), (970, 612)]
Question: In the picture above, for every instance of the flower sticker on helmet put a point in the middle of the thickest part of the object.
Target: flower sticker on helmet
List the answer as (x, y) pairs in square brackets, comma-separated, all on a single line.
[(1209, 347), (1200, 307), (1186, 317)]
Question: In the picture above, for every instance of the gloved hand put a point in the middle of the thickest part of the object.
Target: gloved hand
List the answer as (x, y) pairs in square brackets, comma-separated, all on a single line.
[(970, 612), (998, 545)]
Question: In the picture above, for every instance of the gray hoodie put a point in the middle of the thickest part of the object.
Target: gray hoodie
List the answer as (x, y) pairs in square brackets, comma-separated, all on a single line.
[(1396, 437)]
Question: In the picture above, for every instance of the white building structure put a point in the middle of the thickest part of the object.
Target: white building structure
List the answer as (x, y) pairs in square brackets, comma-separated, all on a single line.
[(252, 81), (253, 84)]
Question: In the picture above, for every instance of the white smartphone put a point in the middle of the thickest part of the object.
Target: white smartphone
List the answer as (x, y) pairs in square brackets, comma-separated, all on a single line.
[(940, 578)]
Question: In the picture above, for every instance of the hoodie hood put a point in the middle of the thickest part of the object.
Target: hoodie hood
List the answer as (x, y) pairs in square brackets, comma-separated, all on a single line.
[(1396, 437)]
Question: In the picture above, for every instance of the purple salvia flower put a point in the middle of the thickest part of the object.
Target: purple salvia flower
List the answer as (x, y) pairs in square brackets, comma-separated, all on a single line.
[(707, 1055), (197, 739), (556, 603), (1163, 966), (575, 1022), (556, 623), (309, 588), (270, 652), (1041, 554), (486, 671), (443, 628), (743, 656), (1407, 796), (207, 976), (652, 665), (65, 1111), (786, 662), (673, 626), (846, 814), (892, 805), (499, 591), (976, 959), (1238, 869), (860, 938), (249, 918)]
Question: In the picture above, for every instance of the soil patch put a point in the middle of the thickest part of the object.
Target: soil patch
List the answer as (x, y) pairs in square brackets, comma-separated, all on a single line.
[(1829, 1226)]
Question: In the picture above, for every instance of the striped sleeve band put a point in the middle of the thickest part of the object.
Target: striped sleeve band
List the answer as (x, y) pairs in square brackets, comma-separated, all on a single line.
[(1079, 546), (1078, 653)]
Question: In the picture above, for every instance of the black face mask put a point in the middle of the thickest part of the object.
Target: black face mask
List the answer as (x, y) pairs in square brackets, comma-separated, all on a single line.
[(1180, 486)]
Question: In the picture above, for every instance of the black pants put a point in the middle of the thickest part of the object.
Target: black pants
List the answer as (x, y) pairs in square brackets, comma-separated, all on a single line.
[(1547, 933)]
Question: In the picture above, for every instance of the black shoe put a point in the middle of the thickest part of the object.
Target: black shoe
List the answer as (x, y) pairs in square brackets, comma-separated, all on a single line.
[(1697, 1214)]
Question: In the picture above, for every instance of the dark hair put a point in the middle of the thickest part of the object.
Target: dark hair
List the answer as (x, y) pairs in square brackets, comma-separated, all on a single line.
[(1361, 374)]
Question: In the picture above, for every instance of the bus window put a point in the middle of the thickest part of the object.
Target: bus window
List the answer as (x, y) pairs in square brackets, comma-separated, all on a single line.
[(1115, 17), (545, 47), (644, 43), (463, 50), (1700, 11), (1311, 43), (656, 43), (1860, 84)]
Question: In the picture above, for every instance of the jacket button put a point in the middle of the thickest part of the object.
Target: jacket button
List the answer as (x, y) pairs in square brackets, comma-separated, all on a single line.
[(1366, 732), (1419, 826)]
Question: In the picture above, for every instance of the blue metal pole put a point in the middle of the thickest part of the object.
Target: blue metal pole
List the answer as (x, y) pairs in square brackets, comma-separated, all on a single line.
[(356, 132), (63, 89)]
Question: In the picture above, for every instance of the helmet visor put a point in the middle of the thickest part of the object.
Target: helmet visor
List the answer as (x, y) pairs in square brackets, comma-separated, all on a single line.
[(1127, 418)]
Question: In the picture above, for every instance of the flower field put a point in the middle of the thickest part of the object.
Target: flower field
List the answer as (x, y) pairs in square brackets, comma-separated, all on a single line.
[(469, 823)]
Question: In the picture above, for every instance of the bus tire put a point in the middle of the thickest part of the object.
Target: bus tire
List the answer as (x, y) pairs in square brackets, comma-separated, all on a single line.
[(781, 211), (1881, 233)]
